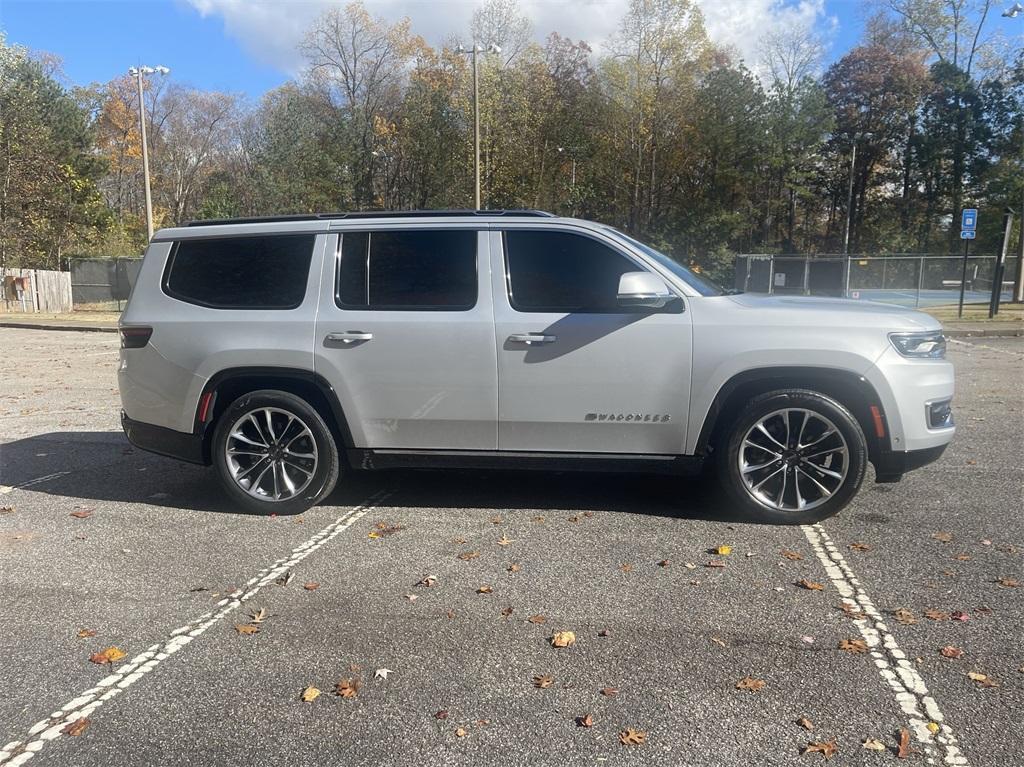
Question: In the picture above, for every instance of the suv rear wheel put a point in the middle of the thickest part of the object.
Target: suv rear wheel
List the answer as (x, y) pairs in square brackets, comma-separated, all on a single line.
[(274, 454), (793, 457)]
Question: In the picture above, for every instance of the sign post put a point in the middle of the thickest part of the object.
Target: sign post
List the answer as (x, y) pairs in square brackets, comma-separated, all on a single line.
[(968, 229)]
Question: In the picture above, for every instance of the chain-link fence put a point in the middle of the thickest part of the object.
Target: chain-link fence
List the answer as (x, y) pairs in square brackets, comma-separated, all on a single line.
[(102, 284), (908, 280)]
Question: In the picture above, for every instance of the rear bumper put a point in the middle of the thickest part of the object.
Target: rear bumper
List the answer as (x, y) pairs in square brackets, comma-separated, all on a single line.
[(891, 465), (164, 441)]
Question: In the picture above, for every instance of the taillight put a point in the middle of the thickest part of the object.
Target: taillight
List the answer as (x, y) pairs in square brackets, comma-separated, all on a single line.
[(135, 338)]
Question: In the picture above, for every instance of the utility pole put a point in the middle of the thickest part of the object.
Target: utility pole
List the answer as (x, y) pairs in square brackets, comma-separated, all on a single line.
[(138, 72), (849, 217), (475, 49)]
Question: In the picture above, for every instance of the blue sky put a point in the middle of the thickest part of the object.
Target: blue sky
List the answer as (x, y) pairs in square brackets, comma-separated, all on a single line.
[(249, 46)]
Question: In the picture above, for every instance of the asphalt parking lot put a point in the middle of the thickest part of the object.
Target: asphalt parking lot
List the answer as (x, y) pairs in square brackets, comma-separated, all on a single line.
[(453, 584)]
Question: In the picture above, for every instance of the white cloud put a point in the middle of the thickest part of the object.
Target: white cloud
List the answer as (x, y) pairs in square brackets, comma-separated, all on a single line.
[(271, 31)]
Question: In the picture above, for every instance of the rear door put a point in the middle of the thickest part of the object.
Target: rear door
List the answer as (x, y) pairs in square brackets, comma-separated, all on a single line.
[(577, 373), (405, 335)]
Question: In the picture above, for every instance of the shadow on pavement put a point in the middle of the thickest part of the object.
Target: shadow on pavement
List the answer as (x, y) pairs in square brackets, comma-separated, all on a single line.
[(103, 466)]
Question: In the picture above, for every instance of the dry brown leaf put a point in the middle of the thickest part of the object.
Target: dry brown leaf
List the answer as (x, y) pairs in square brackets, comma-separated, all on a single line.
[(714, 563), (664, 563), (347, 688), (936, 615), (258, 616), (465, 556), (459, 541), (108, 656), (609, 692), (719, 641), (461, 733), (86, 633), (507, 611), (904, 616), (427, 581), (962, 557), (626, 568), (858, 546), (806, 723), (872, 744), (81, 514), (543, 682), (77, 727), (442, 714), (538, 519), (827, 748), (311, 586), (631, 737), (851, 611), (563, 639), (248, 629), (750, 684), (949, 651), (1010, 583), (497, 521), (485, 590), (983, 680), (514, 567), (792, 555), (853, 646), (903, 749), (587, 720), (309, 695), (809, 585), (505, 541), (942, 536), (604, 633), (538, 619), (6, 509)]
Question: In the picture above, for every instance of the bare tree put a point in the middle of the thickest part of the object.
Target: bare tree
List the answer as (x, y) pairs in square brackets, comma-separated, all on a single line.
[(790, 54), (503, 23)]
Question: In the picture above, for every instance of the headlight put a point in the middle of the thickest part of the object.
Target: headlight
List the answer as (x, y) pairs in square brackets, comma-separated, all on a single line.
[(930, 345)]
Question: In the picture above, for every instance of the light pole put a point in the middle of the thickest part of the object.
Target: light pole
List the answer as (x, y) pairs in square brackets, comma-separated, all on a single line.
[(477, 48), (387, 160), (138, 72)]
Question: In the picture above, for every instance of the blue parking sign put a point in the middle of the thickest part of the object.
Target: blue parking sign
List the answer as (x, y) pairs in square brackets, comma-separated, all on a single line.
[(969, 219), (967, 234)]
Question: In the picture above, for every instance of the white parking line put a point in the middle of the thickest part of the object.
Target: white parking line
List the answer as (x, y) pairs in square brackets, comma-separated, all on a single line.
[(898, 673), (986, 348), (87, 702)]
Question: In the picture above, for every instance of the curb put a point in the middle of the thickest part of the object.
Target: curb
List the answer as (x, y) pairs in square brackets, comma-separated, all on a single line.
[(986, 333), (41, 326)]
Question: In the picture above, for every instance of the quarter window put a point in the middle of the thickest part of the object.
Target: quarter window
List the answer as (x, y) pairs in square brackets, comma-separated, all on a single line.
[(405, 269), (563, 272), (268, 272)]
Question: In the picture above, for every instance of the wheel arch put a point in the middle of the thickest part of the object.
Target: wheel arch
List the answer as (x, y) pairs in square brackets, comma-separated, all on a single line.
[(227, 385), (850, 389)]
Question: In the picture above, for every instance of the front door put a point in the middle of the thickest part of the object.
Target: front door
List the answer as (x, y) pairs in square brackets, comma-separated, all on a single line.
[(577, 373), (405, 335)]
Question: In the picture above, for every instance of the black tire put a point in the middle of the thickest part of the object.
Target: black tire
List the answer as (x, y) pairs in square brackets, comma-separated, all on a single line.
[(324, 475), (754, 508)]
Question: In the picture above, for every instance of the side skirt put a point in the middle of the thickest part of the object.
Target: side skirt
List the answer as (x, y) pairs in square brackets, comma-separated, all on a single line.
[(680, 465)]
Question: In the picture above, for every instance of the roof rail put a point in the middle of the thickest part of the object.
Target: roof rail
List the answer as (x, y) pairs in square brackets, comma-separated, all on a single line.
[(372, 214)]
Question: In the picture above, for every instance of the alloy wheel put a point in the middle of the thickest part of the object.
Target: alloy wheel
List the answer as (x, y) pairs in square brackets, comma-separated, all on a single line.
[(271, 454)]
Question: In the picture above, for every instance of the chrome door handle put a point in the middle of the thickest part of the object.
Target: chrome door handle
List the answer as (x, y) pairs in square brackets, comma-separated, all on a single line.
[(532, 338), (348, 337)]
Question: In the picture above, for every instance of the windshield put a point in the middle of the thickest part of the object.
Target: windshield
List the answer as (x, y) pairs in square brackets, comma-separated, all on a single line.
[(702, 285)]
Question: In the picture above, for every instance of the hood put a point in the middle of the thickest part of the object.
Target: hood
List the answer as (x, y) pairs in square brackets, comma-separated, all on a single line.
[(839, 311)]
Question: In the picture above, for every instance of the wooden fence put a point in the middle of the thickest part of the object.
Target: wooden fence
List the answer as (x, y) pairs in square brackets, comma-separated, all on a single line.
[(36, 290)]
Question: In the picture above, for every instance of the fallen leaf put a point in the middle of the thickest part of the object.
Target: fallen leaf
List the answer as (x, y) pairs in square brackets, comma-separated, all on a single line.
[(983, 680), (722, 551), (459, 541), (873, 744), (505, 541), (962, 557), (792, 555), (311, 586), (1010, 583), (587, 720), (903, 749), (714, 563), (690, 566), (382, 529), (81, 514), (485, 590), (506, 612), (960, 615), (942, 536), (441, 714), (806, 723), (626, 568), (411, 597), (949, 651), (247, 629), (77, 727), (514, 568), (465, 556), (86, 633), (851, 611), (904, 616), (347, 688), (543, 682), (108, 656), (537, 619), (285, 579), (450, 615), (427, 581), (609, 692), (538, 519), (826, 748), (631, 737), (309, 695), (750, 684), (258, 616), (853, 646), (718, 641), (933, 727), (664, 563), (461, 733), (497, 520), (604, 633), (858, 546), (563, 639), (809, 585), (382, 673), (6, 509), (936, 615)]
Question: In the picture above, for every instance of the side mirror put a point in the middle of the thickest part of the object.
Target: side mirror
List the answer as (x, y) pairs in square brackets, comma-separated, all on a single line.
[(643, 289)]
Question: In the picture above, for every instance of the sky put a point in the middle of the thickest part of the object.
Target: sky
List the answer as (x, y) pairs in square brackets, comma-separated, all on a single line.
[(250, 46)]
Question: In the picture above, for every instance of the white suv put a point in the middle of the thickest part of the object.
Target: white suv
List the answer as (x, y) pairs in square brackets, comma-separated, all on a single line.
[(286, 350)]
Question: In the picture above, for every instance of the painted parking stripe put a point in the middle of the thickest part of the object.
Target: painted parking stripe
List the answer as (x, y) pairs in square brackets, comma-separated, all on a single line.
[(899, 673), (86, 703), (1010, 352)]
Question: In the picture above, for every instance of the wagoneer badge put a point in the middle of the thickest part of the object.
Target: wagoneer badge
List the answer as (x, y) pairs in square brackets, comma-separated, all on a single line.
[(632, 417)]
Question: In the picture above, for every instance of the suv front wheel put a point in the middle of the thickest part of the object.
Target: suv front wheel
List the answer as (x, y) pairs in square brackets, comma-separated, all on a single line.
[(792, 457), (274, 454)]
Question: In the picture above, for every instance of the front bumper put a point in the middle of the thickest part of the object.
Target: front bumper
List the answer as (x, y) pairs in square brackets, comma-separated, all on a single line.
[(164, 441), (890, 465)]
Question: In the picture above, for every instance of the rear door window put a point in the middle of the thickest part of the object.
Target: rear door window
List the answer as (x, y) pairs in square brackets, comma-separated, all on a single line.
[(261, 272), (404, 269)]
